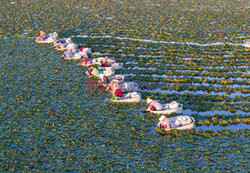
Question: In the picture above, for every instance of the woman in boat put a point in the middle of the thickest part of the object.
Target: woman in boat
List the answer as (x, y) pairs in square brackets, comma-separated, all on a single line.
[(93, 71), (67, 55), (164, 123), (55, 36), (82, 49), (153, 105), (57, 44), (110, 86), (107, 61), (72, 48), (84, 60), (117, 93), (60, 45), (103, 81), (42, 36)]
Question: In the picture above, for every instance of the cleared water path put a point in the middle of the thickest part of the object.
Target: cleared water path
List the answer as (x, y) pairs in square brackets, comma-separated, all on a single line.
[(161, 42), (232, 95), (181, 76), (191, 71), (214, 112), (180, 65), (196, 84), (218, 127)]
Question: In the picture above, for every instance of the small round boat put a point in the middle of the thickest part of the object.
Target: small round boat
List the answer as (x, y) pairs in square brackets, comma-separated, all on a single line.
[(51, 39), (75, 56), (66, 47), (106, 73), (112, 65), (169, 108), (134, 98), (86, 50), (184, 122), (48, 40)]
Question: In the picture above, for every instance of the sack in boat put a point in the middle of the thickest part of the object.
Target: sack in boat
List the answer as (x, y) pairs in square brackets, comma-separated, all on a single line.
[(134, 94), (178, 122), (116, 65), (67, 54), (132, 86), (128, 96), (184, 120), (119, 78), (173, 105)]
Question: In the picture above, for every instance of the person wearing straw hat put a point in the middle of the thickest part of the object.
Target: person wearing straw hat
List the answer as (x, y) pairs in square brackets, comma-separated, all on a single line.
[(84, 59), (106, 61), (153, 105), (163, 123), (103, 80), (110, 86), (42, 36), (67, 55)]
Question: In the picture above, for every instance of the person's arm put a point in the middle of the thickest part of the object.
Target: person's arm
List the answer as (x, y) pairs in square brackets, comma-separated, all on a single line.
[(111, 60), (166, 125), (150, 106), (108, 87), (159, 124)]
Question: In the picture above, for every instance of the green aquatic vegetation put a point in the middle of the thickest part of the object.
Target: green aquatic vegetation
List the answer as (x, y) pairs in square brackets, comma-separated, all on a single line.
[(50, 123), (223, 122)]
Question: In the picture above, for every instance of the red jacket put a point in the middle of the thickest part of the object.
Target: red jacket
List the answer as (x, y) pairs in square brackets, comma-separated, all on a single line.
[(118, 92), (105, 63), (90, 71)]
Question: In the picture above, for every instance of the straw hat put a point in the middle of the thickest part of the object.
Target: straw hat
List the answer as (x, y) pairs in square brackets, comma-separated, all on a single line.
[(55, 34), (162, 118), (149, 100), (68, 40)]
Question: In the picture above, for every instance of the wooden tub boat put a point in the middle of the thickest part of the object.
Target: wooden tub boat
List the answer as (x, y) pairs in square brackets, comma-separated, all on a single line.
[(135, 99), (48, 41), (167, 110), (112, 65), (106, 73), (187, 124), (52, 37)]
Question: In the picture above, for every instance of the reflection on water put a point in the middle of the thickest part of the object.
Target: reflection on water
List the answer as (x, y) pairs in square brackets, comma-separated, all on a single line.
[(228, 127)]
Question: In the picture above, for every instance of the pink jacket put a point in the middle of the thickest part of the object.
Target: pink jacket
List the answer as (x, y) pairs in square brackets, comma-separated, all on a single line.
[(165, 124), (156, 105)]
